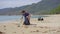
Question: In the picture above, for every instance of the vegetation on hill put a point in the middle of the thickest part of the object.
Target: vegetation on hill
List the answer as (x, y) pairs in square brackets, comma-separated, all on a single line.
[(56, 10)]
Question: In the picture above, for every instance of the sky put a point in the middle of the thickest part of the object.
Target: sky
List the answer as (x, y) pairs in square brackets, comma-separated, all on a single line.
[(16, 3)]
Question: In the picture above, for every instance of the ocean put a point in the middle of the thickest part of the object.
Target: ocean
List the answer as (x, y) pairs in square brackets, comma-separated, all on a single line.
[(5, 18)]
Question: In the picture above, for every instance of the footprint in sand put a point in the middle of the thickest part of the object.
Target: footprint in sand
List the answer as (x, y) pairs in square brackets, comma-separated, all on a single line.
[(14, 32), (0, 25), (41, 27), (26, 26), (35, 31), (32, 31), (46, 27), (4, 26), (45, 32), (4, 29), (58, 31), (53, 30)]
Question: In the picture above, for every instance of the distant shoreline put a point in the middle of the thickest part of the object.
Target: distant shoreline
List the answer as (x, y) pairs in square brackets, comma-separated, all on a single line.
[(31, 14)]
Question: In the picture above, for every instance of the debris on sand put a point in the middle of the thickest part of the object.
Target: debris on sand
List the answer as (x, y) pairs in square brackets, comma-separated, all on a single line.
[(1, 32), (40, 19)]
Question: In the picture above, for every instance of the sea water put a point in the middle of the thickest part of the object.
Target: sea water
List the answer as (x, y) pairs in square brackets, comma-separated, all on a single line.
[(5, 18)]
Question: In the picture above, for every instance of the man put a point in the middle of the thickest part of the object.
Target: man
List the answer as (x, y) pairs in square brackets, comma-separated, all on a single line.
[(26, 17)]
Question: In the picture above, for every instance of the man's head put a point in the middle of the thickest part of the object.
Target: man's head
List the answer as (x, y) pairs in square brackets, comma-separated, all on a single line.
[(23, 11)]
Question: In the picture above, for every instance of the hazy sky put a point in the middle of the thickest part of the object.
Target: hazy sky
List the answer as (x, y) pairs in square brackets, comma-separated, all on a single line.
[(16, 3)]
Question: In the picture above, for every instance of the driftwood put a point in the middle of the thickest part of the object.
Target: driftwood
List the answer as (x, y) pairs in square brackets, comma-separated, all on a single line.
[(1, 32)]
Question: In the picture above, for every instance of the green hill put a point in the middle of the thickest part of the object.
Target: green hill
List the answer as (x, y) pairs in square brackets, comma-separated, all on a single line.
[(43, 7), (56, 10)]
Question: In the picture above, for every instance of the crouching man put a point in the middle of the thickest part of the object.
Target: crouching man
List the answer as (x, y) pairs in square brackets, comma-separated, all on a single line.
[(26, 17)]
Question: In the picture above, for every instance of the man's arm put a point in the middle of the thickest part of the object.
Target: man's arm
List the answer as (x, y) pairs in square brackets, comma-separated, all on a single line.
[(29, 17)]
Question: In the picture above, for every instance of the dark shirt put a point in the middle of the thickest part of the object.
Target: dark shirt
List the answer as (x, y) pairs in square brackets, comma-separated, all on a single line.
[(25, 15)]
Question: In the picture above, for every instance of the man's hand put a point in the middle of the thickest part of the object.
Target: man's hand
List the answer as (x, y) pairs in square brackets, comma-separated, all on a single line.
[(28, 17)]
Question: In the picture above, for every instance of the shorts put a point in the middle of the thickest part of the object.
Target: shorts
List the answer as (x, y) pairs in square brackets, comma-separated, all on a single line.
[(26, 22)]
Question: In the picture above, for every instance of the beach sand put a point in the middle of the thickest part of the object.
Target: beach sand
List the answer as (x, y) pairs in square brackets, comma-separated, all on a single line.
[(50, 25)]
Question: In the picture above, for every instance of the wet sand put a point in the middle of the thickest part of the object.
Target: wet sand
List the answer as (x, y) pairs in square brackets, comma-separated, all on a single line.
[(50, 25)]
